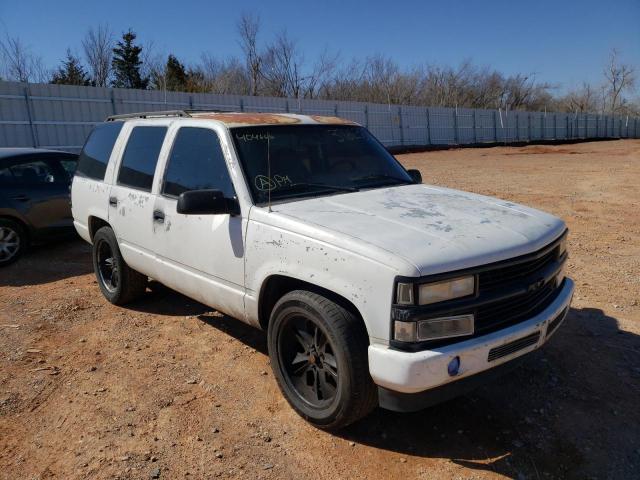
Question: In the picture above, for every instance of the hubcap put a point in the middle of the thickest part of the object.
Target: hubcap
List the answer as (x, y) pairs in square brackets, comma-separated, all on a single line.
[(308, 361), (107, 267), (9, 243)]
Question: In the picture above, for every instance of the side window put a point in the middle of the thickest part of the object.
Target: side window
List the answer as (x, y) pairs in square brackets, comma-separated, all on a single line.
[(97, 149), (69, 165), (38, 172), (140, 157), (196, 163)]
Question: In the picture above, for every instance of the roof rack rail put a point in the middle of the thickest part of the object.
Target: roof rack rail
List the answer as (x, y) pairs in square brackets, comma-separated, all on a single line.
[(161, 113)]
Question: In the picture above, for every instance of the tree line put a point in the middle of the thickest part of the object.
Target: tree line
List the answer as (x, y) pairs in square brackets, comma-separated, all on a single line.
[(279, 68)]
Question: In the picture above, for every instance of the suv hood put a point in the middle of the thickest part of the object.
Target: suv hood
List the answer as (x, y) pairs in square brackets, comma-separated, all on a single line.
[(435, 229)]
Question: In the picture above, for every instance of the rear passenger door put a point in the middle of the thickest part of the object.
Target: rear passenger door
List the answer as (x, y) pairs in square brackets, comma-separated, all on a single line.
[(39, 190), (131, 198), (201, 256)]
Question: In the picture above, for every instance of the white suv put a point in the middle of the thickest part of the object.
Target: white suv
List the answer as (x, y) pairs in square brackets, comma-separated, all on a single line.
[(374, 288)]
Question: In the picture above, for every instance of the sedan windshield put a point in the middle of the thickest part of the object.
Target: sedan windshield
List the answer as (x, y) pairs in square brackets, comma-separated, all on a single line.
[(286, 162)]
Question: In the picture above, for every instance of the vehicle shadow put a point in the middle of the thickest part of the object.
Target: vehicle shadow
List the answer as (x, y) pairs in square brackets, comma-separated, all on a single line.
[(565, 412), (48, 263), (161, 300)]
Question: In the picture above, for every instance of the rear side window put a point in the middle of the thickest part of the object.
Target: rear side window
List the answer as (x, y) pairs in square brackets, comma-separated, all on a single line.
[(196, 163), (95, 155), (140, 157)]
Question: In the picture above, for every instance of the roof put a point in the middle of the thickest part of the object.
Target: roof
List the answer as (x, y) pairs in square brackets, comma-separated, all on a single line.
[(18, 152), (240, 119)]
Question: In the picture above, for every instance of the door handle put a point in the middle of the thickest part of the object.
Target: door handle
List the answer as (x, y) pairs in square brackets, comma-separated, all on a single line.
[(113, 201), (158, 216)]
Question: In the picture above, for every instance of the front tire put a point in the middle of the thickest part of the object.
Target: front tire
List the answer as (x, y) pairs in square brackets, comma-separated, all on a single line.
[(13, 241), (318, 353), (119, 283)]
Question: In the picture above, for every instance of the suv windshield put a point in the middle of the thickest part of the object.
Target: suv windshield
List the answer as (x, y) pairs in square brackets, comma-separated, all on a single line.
[(313, 160)]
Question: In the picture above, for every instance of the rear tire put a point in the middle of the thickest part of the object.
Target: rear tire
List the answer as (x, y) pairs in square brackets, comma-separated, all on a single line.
[(318, 353), (119, 283), (13, 241)]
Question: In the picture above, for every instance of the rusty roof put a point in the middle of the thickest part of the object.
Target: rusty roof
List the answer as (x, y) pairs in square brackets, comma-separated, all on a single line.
[(245, 119)]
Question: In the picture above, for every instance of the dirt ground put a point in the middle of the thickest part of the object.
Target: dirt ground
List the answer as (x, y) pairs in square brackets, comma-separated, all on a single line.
[(167, 388)]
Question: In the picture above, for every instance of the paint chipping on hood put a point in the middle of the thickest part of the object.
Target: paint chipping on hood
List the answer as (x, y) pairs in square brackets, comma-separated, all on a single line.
[(435, 229)]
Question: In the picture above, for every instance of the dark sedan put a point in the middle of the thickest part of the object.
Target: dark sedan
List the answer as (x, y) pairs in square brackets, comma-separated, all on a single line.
[(34, 198)]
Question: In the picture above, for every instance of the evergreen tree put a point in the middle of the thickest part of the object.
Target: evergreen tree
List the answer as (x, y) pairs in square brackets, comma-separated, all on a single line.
[(126, 64), (70, 72), (176, 75)]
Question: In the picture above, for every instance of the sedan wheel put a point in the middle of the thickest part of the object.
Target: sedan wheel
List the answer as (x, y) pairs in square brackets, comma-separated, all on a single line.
[(13, 241)]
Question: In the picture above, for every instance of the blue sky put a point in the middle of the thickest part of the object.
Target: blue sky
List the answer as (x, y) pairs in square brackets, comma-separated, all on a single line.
[(563, 42)]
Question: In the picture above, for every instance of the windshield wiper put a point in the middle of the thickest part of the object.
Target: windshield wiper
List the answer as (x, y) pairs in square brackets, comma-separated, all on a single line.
[(380, 176), (298, 185)]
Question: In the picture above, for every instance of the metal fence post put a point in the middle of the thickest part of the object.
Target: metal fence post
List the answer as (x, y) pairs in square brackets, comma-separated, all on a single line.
[(27, 101), (528, 127), (475, 133), (113, 102), (555, 126), (366, 116), (428, 127), (456, 134), (495, 125), (401, 123), (335, 110), (241, 104)]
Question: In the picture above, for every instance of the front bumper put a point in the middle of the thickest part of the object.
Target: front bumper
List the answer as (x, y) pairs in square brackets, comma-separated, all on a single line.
[(412, 372)]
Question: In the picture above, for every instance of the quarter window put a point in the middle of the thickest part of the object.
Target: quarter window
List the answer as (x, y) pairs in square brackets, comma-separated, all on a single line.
[(140, 157), (95, 154), (196, 163)]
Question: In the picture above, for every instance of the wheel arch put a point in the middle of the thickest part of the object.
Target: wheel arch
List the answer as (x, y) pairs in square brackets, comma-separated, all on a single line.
[(276, 286), (95, 223)]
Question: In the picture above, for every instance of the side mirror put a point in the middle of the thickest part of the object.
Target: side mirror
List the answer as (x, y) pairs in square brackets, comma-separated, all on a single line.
[(206, 202), (415, 175)]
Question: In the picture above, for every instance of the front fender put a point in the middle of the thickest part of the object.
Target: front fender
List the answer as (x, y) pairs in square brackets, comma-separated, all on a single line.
[(365, 282)]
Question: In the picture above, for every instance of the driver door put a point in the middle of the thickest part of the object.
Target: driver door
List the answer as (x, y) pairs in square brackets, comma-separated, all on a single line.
[(201, 256)]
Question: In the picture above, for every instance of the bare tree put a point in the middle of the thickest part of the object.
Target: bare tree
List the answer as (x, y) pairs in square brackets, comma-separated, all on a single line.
[(98, 51), (248, 28), (581, 100), (224, 77), (620, 78), (20, 64), (282, 67)]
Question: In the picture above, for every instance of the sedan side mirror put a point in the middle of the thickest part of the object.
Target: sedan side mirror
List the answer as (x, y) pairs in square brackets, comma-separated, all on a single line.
[(206, 202), (415, 175)]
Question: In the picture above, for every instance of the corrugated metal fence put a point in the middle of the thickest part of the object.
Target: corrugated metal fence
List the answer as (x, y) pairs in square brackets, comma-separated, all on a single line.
[(61, 116)]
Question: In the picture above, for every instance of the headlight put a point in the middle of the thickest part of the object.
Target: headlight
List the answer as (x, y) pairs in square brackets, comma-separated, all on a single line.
[(563, 244), (449, 289), (433, 328)]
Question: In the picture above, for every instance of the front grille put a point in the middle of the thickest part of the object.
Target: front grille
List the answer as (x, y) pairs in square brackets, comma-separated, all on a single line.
[(508, 292), (512, 347), (503, 276), (555, 323), (504, 313)]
